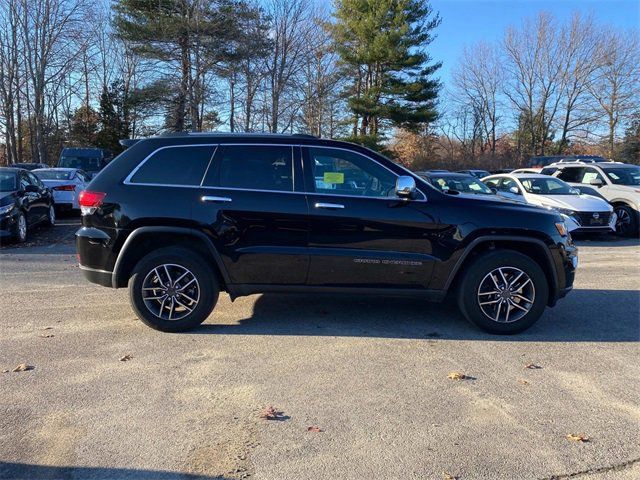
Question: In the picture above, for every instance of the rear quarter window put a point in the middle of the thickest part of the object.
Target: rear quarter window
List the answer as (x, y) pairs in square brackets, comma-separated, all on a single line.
[(174, 166)]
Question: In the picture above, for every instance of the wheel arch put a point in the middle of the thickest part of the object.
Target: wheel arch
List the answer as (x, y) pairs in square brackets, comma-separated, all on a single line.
[(146, 239), (531, 247)]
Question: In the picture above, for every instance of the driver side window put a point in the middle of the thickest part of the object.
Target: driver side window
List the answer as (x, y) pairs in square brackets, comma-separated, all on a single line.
[(591, 174), (341, 172)]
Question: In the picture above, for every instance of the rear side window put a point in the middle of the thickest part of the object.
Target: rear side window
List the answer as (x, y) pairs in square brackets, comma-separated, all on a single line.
[(254, 167), (571, 175), (175, 166)]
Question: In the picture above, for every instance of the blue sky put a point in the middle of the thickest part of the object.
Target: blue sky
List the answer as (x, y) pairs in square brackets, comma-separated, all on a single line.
[(465, 22)]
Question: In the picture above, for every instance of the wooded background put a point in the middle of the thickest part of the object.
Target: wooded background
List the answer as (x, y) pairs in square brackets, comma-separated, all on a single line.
[(84, 73)]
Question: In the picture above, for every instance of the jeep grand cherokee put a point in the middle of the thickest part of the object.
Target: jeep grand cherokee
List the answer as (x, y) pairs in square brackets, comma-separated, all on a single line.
[(180, 218)]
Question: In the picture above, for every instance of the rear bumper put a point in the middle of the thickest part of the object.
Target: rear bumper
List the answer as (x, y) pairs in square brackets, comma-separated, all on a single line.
[(94, 275)]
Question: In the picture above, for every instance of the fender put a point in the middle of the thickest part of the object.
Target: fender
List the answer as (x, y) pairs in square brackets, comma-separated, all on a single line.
[(489, 238), (159, 229), (626, 201)]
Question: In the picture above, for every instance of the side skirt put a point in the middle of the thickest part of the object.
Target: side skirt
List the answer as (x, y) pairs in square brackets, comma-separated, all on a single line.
[(241, 290)]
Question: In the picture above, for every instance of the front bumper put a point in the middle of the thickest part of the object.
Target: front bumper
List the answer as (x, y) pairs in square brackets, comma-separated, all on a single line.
[(7, 225)]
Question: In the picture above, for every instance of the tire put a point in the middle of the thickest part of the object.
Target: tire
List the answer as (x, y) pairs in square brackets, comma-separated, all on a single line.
[(148, 288), (627, 224), (51, 217), (21, 229), (477, 281)]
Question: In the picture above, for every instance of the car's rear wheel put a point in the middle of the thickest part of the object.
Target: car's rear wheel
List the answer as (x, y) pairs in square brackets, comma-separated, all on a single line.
[(627, 222), (20, 232), (503, 292), (172, 289)]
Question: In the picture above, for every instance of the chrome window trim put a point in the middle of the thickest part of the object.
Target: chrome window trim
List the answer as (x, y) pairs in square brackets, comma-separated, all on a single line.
[(127, 180)]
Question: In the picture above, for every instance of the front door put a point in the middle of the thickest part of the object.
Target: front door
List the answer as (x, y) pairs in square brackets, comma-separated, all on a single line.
[(254, 210), (361, 234)]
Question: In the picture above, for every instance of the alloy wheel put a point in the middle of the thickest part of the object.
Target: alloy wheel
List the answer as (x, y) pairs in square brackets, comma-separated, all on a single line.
[(170, 291), (506, 294), (22, 228), (52, 215), (624, 220)]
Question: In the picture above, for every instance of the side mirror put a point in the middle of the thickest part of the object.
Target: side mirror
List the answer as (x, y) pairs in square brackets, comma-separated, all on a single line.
[(405, 187), (596, 182), (31, 189), (515, 190)]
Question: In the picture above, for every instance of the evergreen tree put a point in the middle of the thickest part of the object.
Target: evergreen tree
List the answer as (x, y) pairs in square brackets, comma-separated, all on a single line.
[(382, 47), (188, 36), (113, 127)]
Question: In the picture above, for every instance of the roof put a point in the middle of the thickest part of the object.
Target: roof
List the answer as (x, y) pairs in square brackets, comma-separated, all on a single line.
[(521, 175), (12, 169), (57, 169), (445, 174), (604, 165), (237, 134)]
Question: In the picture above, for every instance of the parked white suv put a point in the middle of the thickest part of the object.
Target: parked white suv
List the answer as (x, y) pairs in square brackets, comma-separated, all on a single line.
[(618, 183)]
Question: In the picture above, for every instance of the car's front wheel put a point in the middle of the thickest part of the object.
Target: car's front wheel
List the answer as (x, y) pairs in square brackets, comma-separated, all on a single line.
[(20, 232), (503, 292), (172, 289), (51, 216), (627, 222)]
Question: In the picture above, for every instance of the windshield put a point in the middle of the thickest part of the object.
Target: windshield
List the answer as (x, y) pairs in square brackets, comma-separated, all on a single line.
[(53, 174), (461, 184), (623, 176), (7, 182), (547, 186), (88, 164)]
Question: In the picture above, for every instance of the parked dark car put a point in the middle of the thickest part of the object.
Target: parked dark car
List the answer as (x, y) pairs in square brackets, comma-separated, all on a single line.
[(476, 172), (90, 160), (29, 166), (178, 219), (24, 203)]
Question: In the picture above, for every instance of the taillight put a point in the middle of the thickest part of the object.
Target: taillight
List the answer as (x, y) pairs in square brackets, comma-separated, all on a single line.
[(89, 201), (65, 188)]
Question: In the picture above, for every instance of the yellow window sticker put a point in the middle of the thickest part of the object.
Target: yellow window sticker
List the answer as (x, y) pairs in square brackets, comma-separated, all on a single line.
[(333, 177)]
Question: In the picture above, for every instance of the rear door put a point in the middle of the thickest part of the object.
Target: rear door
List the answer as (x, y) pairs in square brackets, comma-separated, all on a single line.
[(361, 235), (253, 208)]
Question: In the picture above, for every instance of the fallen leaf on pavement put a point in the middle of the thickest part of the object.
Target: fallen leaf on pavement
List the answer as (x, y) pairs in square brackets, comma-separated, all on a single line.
[(48, 328), (126, 358), (47, 335), (5, 371), (577, 437), (314, 428), (270, 413), (523, 382), (532, 366), (448, 476), (23, 367), (457, 376)]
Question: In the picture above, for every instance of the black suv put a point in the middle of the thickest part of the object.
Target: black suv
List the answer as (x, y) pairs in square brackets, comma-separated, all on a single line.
[(180, 218)]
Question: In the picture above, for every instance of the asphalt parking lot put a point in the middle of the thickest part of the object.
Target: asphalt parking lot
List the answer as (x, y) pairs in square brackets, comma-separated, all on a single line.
[(369, 373)]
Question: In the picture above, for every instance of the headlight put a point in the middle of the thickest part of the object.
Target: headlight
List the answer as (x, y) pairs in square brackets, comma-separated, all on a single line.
[(6, 209), (567, 211)]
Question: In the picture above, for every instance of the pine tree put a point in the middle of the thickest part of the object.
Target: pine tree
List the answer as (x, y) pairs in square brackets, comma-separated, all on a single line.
[(382, 47), (113, 127), (188, 36)]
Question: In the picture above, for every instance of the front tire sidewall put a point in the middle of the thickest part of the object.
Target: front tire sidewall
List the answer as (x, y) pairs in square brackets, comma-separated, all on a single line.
[(467, 293), (51, 216), (632, 227), (209, 289), (17, 236)]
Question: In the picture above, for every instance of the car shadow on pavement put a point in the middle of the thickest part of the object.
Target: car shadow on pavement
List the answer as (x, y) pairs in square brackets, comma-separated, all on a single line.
[(23, 471), (583, 316)]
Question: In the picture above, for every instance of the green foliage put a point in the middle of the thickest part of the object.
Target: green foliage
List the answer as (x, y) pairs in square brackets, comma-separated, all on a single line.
[(382, 47), (83, 126), (630, 148), (113, 126)]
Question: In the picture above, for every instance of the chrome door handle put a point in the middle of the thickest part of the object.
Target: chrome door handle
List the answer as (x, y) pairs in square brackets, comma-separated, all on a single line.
[(329, 205), (210, 199)]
